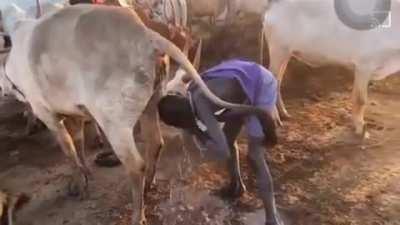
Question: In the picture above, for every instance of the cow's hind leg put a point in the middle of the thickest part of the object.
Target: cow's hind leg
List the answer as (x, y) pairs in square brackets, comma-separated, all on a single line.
[(151, 134), (118, 130), (360, 98), (76, 126), (154, 143), (279, 59), (79, 182)]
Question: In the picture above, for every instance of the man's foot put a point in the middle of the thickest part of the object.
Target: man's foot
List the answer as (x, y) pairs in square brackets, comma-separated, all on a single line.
[(276, 221)]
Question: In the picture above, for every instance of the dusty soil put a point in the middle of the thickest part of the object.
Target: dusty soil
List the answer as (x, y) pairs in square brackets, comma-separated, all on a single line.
[(322, 175)]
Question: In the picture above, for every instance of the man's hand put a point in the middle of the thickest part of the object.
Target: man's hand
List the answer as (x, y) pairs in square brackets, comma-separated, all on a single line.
[(200, 138)]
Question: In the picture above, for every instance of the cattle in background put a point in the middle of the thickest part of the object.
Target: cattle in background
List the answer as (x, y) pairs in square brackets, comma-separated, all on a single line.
[(225, 10), (31, 9), (320, 38), (114, 94), (183, 12)]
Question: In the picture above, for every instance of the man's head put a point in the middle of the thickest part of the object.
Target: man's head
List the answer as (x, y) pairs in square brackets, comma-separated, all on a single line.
[(175, 110)]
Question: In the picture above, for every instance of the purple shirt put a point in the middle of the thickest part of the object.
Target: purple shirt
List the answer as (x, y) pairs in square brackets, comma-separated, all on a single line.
[(257, 82)]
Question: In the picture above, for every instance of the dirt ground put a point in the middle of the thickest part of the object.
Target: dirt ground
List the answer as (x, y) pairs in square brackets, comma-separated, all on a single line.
[(322, 175)]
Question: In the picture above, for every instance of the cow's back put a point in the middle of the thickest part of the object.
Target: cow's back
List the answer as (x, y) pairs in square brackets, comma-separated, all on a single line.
[(84, 49), (313, 30)]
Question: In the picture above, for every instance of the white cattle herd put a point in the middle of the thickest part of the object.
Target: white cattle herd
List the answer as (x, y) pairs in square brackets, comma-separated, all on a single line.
[(109, 56)]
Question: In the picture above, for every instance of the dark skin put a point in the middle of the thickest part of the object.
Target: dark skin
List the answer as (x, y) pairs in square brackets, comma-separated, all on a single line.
[(220, 141)]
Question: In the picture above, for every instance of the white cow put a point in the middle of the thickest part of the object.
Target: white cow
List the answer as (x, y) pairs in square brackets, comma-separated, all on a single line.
[(165, 11), (312, 32), (29, 8), (225, 10), (11, 12), (178, 11), (103, 69)]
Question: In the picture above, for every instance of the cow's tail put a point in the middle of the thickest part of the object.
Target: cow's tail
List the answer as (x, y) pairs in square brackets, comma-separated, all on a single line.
[(170, 49)]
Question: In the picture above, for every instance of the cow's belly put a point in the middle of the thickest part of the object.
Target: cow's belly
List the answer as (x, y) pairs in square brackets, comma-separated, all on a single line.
[(65, 106), (317, 59)]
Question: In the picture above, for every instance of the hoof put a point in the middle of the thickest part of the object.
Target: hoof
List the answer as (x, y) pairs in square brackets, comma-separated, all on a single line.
[(285, 116), (276, 221), (362, 133), (78, 187), (141, 222), (107, 159), (232, 191), (148, 187)]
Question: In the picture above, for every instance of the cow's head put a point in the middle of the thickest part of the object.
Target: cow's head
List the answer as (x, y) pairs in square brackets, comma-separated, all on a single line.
[(179, 82)]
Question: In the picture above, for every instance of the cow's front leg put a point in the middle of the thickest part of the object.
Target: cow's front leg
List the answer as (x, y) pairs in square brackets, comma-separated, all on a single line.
[(264, 180), (278, 63), (151, 134), (360, 98), (152, 137), (94, 135), (75, 127), (79, 183)]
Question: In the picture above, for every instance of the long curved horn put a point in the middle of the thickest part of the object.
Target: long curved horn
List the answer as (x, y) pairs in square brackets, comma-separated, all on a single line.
[(262, 46), (166, 46), (186, 48), (124, 3), (197, 57)]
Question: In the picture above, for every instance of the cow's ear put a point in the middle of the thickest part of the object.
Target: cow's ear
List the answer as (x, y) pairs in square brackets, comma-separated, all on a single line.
[(197, 57)]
